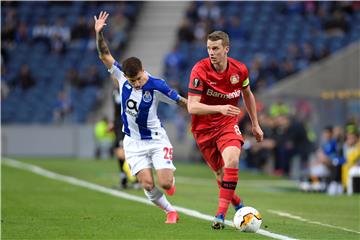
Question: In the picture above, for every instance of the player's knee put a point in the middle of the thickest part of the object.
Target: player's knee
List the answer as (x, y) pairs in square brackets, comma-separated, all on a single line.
[(232, 162)]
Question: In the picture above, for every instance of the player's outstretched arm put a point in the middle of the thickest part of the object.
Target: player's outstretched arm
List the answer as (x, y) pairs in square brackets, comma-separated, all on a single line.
[(198, 108), (102, 47), (250, 104)]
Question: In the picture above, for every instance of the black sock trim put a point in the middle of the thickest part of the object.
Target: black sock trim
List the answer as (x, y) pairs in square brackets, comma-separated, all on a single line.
[(229, 185)]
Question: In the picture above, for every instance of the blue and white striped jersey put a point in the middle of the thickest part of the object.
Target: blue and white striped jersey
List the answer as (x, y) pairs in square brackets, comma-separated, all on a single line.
[(139, 107)]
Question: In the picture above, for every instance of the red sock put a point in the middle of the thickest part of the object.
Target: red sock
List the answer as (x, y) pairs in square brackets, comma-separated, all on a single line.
[(235, 199), (227, 189)]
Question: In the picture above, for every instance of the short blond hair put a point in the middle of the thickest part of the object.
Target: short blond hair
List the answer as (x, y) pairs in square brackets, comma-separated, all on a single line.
[(219, 35)]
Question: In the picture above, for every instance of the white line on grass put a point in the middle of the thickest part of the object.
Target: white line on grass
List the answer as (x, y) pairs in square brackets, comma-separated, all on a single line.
[(92, 186), (288, 215)]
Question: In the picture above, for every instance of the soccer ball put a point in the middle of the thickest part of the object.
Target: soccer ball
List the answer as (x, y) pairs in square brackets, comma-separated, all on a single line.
[(247, 219)]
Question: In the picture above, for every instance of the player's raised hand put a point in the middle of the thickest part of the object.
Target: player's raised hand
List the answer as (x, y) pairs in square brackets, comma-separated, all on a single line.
[(229, 110), (101, 21), (258, 133)]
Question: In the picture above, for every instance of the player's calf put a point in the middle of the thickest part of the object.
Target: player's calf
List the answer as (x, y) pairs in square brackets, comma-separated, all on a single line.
[(172, 189)]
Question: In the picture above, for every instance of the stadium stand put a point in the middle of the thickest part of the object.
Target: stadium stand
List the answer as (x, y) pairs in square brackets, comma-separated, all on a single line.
[(55, 44), (274, 39)]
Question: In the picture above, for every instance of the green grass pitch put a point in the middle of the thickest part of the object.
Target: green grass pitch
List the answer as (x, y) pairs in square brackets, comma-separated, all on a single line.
[(36, 207)]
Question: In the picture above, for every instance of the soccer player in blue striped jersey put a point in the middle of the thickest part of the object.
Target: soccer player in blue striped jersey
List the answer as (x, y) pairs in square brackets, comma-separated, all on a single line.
[(146, 143)]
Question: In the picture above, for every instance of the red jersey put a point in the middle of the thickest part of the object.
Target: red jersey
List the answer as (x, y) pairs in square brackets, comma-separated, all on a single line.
[(216, 89)]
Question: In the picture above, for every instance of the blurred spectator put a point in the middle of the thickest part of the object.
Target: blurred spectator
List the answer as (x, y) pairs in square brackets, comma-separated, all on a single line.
[(287, 68), (73, 79), (81, 30), (104, 138), (41, 33), (60, 36), (291, 141), (209, 10), (257, 155), (174, 64), (324, 52), (325, 168), (4, 55), (235, 30), (279, 108), (293, 52), (56, 37), (256, 70), (92, 77), (62, 108), (202, 28), (58, 45), (24, 79), (303, 110), (192, 12), (336, 25), (185, 32), (337, 160), (351, 151), (22, 33), (5, 90), (118, 28), (310, 7), (60, 30), (181, 122), (309, 53), (93, 80), (8, 28), (220, 24)]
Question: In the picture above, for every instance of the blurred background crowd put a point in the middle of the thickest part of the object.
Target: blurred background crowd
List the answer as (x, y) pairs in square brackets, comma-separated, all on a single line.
[(50, 73), (50, 69)]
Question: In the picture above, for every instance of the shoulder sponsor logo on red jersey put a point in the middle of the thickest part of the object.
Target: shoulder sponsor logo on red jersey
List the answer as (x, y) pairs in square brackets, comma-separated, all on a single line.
[(196, 82), (231, 95), (234, 79)]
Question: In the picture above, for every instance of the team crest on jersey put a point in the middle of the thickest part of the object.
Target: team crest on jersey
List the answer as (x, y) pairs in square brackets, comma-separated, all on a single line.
[(147, 97), (196, 82), (234, 79)]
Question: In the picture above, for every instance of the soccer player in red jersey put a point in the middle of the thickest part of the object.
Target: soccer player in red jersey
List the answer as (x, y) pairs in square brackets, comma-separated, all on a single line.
[(215, 86)]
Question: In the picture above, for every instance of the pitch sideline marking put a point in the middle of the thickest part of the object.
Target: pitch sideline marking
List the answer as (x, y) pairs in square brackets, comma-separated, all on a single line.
[(288, 215), (92, 186)]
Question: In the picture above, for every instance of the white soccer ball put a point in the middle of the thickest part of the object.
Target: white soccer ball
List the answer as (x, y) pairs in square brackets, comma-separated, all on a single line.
[(247, 219)]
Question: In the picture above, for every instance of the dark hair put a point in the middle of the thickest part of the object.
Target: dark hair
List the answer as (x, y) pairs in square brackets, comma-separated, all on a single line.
[(329, 129), (131, 67), (219, 35)]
